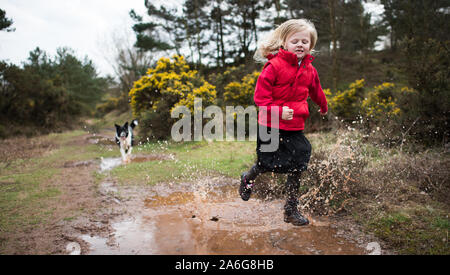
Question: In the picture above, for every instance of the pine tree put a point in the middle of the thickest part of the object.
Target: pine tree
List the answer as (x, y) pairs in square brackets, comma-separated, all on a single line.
[(317, 11), (196, 23), (48, 92), (420, 18), (220, 29), (5, 23), (150, 35), (244, 14)]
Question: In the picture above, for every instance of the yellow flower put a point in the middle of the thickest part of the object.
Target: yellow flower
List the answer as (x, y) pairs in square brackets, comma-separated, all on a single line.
[(173, 81), (241, 93)]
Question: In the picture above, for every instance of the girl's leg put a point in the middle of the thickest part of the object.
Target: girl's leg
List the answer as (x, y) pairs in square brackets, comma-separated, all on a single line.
[(293, 184), (251, 175), (291, 213), (247, 181)]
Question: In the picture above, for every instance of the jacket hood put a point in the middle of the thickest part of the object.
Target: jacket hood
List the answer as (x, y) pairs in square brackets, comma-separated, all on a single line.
[(291, 58)]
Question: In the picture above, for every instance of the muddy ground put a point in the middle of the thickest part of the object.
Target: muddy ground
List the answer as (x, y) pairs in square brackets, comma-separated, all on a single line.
[(202, 216)]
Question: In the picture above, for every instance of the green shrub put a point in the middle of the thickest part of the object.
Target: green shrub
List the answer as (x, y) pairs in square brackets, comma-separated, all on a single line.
[(428, 69)]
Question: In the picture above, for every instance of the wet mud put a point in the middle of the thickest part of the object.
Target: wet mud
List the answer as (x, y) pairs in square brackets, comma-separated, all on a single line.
[(206, 216)]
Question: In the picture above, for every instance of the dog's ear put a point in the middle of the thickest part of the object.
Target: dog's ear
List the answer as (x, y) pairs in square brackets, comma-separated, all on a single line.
[(117, 126), (125, 125)]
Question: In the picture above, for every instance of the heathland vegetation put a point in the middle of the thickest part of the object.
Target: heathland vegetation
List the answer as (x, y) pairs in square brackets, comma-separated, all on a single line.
[(381, 156)]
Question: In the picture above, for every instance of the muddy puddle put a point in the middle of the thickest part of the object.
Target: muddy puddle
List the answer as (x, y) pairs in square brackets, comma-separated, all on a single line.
[(207, 216)]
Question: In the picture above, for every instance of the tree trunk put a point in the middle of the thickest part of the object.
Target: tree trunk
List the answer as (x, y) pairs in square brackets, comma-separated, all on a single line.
[(222, 45), (332, 8), (198, 38), (278, 9), (253, 16)]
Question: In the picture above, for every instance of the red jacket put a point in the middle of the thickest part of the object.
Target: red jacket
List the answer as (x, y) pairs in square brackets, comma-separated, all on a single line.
[(283, 83)]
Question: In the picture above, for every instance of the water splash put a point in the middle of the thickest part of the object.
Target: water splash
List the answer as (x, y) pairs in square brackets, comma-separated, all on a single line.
[(73, 248), (107, 164), (373, 248)]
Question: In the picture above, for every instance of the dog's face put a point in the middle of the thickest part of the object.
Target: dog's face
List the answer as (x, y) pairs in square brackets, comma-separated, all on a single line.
[(122, 131)]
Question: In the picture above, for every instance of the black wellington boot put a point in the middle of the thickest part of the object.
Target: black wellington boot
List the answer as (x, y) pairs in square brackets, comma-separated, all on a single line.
[(247, 181), (291, 214), (245, 189)]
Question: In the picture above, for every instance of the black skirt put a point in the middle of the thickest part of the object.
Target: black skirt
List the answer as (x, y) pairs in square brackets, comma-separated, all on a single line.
[(293, 154)]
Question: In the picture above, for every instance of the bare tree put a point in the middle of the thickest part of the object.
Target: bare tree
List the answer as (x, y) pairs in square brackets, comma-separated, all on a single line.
[(128, 62)]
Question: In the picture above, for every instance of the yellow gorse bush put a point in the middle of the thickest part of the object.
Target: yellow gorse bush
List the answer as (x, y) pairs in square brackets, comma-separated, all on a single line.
[(346, 104), (207, 92), (173, 81), (241, 93), (376, 104), (381, 102)]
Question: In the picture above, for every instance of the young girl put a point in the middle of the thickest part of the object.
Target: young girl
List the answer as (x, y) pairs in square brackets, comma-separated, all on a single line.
[(286, 81)]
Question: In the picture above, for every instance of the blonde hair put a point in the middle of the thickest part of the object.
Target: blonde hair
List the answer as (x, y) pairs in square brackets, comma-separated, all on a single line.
[(277, 38)]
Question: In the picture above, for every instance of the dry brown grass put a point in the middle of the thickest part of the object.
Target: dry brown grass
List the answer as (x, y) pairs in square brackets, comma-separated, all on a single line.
[(401, 197), (23, 148)]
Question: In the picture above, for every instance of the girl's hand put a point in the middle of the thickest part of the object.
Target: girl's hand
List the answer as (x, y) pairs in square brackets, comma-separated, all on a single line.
[(323, 114), (287, 113)]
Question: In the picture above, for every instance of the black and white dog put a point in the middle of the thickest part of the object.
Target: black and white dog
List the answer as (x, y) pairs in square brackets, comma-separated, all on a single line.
[(125, 139)]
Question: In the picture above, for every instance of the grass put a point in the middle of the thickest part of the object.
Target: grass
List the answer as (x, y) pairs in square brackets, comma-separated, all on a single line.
[(26, 189), (65, 137), (24, 197), (415, 232), (57, 157), (108, 121), (191, 160)]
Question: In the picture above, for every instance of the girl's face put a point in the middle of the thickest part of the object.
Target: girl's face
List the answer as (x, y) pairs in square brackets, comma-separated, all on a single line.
[(298, 43)]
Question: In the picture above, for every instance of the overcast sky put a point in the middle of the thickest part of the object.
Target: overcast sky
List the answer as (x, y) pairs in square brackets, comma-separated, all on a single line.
[(83, 25)]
